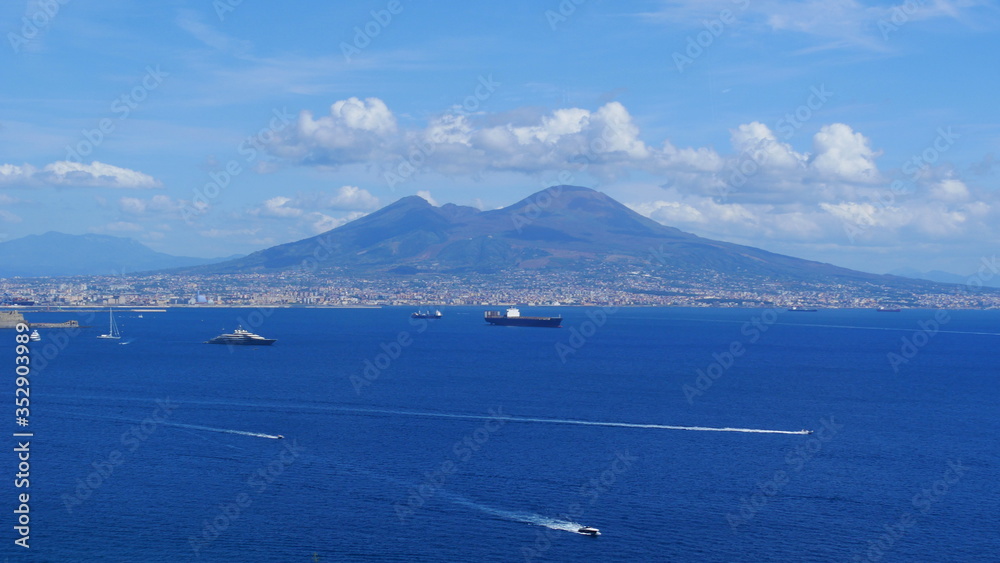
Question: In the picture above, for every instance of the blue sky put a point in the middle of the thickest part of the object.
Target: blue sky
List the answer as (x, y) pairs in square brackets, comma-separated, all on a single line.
[(865, 134)]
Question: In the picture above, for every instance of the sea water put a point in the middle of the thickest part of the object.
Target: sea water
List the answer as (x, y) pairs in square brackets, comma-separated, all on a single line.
[(364, 435)]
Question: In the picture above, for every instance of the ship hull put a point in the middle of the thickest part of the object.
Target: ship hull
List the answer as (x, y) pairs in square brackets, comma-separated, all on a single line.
[(243, 341), (549, 322)]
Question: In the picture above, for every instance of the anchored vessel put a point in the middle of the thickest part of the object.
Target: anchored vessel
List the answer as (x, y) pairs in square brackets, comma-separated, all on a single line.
[(113, 328), (512, 317), (241, 337), (428, 315)]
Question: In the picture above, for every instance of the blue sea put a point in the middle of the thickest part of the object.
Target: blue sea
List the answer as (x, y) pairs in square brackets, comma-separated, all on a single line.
[(677, 432)]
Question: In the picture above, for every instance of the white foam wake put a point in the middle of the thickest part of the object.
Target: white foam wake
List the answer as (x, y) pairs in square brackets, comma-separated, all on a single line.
[(180, 425), (523, 419), (516, 516), (223, 430)]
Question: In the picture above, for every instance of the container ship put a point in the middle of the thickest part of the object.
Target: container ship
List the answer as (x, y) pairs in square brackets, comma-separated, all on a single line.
[(512, 317)]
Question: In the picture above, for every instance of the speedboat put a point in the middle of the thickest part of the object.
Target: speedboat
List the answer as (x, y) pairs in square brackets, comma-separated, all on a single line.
[(35, 337), (587, 530)]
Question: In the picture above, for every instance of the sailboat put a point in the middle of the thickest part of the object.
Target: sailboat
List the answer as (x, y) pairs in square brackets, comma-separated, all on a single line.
[(113, 330)]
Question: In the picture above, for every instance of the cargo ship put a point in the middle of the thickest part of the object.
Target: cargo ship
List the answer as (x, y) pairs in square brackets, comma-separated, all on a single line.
[(512, 317), (428, 315)]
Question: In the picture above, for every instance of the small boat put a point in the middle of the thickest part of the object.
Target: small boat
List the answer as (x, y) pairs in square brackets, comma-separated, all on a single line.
[(35, 337), (240, 337), (113, 329), (428, 315), (587, 530), (887, 309), (801, 309)]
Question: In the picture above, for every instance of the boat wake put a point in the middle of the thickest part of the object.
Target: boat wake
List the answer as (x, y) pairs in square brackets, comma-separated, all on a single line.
[(516, 516), (224, 430), (522, 419), (181, 425)]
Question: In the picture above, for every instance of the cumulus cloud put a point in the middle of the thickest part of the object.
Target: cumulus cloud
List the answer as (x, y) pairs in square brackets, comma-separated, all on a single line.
[(158, 204), (366, 132), (354, 131), (843, 154), (345, 198), (68, 173), (314, 212)]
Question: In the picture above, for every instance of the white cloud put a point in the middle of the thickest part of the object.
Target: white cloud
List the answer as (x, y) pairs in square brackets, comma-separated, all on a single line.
[(831, 24), (227, 233), (349, 198), (353, 132), (345, 198), (8, 217), (67, 173), (844, 155), (427, 196), (320, 222), (950, 190), (278, 207), (158, 204)]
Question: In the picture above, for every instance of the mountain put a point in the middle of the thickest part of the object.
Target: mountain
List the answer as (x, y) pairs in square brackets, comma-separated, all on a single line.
[(59, 254), (562, 228), (942, 277)]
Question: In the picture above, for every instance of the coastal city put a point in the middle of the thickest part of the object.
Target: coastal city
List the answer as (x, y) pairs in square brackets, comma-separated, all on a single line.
[(608, 286)]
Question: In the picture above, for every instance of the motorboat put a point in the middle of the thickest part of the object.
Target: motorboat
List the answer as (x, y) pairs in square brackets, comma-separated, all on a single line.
[(588, 531), (35, 337)]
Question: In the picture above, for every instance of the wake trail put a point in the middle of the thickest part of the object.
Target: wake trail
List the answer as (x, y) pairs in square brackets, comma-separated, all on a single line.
[(177, 425), (521, 419), (516, 516), (505, 418)]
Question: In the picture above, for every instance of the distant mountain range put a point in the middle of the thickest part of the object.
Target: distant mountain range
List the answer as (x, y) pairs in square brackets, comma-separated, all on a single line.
[(562, 228), (59, 254), (943, 277)]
